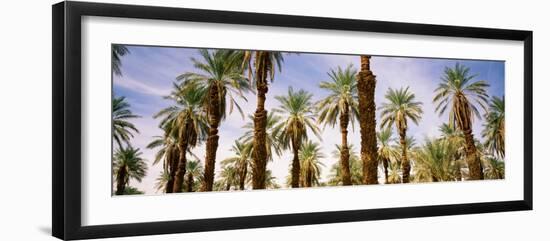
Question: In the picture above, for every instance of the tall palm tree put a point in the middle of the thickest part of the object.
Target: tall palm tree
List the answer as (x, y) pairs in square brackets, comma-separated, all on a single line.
[(400, 108), (194, 171), (494, 127), (169, 154), (310, 164), (264, 63), (240, 161), (341, 104), (117, 51), (464, 96), (128, 164), (186, 121), (298, 118), (385, 151), (219, 73), (122, 128), (356, 167), (436, 157), (366, 85)]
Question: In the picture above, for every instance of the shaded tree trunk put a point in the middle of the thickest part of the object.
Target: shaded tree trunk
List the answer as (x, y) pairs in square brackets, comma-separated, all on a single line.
[(385, 163), (260, 122), (214, 116), (182, 165), (344, 156), (472, 159), (242, 176), (171, 172), (366, 84), (228, 186), (309, 177), (120, 181), (295, 166), (189, 182), (405, 164)]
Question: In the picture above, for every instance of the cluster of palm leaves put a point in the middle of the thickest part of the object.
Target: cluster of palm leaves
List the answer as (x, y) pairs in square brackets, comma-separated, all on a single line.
[(202, 99)]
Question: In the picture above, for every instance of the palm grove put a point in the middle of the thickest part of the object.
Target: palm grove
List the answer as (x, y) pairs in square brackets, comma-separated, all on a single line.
[(202, 99)]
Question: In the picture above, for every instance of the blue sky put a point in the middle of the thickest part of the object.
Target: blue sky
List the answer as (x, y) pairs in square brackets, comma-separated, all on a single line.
[(148, 74)]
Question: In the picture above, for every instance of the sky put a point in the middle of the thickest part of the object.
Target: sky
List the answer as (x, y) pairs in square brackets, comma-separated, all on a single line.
[(148, 73)]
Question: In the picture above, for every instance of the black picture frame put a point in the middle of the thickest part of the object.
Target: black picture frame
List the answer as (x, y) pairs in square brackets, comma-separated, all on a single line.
[(66, 141)]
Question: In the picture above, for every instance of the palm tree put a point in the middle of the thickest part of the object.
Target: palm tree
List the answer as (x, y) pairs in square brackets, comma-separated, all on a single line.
[(271, 143), (494, 168), (340, 104), (271, 181), (228, 178), (494, 127), (240, 161), (194, 171), (162, 181), (457, 91), (454, 136), (122, 128), (117, 51), (264, 63), (356, 170), (366, 85), (220, 75), (298, 118), (169, 154), (310, 155), (436, 158), (401, 107), (394, 176), (128, 164), (186, 121), (385, 151)]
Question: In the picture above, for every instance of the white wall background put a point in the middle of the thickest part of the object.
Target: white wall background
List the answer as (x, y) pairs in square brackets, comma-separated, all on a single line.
[(25, 123)]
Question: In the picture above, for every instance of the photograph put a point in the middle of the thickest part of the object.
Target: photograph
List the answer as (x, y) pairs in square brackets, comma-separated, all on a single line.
[(190, 119)]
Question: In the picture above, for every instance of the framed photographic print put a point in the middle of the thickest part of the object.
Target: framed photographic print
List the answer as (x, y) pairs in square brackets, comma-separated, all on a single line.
[(169, 120)]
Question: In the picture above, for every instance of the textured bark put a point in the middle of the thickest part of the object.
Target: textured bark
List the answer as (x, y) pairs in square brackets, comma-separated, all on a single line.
[(171, 172), (260, 122), (344, 155), (385, 163), (405, 164), (295, 166), (474, 164), (366, 84), (308, 178), (214, 117), (189, 183), (242, 176), (182, 165), (121, 180)]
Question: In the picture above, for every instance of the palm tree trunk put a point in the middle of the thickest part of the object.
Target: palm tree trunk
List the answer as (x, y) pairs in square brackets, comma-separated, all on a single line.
[(242, 176), (385, 163), (189, 183), (182, 164), (366, 84), (121, 181), (344, 156), (260, 121), (405, 164), (474, 164), (228, 186), (295, 166), (171, 172), (308, 178), (214, 117)]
